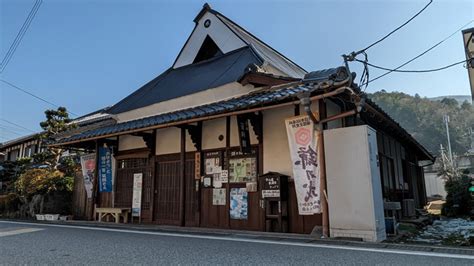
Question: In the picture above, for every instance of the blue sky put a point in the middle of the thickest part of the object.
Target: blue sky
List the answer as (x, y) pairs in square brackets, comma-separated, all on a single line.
[(89, 54)]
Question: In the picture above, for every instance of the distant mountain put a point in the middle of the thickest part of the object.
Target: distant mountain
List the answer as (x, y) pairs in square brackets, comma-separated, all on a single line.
[(459, 98), (423, 118)]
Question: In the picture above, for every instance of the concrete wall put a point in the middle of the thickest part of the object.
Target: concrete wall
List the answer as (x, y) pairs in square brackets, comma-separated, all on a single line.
[(434, 185)]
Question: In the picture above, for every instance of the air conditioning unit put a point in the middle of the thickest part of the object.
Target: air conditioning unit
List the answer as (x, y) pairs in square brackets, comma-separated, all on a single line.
[(409, 208)]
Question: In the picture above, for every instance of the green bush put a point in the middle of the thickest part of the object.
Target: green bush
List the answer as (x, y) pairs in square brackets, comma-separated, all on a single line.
[(458, 199), (43, 181)]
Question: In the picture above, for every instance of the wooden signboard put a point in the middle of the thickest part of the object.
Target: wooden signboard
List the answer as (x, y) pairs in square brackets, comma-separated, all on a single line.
[(244, 134)]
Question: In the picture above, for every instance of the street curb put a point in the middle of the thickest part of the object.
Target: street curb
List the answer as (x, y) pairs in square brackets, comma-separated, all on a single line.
[(283, 237)]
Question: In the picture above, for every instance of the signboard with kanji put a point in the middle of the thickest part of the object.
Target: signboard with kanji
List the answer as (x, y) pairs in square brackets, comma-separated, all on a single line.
[(105, 169), (304, 156)]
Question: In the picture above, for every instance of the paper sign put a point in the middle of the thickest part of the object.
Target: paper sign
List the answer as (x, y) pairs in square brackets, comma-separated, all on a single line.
[(137, 194), (218, 196)]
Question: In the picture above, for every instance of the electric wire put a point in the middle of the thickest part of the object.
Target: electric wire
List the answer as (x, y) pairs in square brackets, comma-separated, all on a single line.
[(393, 31), (413, 71), (21, 33), (413, 59), (33, 95), (15, 124)]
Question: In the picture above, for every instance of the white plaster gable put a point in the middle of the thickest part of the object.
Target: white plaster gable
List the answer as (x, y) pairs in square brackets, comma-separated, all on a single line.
[(224, 38)]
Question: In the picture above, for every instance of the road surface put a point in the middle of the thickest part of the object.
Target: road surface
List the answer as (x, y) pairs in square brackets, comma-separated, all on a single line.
[(30, 243)]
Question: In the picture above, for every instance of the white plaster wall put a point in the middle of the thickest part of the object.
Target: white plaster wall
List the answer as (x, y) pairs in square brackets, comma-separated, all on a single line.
[(223, 92), (225, 39), (128, 142), (210, 134), (168, 141), (276, 154)]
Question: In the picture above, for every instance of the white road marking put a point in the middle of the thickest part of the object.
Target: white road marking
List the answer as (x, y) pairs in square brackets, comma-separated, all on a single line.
[(19, 231), (272, 242)]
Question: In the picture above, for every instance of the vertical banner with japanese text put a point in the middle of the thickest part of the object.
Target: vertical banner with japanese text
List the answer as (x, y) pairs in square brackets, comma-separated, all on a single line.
[(88, 172), (105, 169), (137, 194), (304, 157)]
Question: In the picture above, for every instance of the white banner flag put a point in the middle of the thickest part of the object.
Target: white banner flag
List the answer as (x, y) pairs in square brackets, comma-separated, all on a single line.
[(88, 172), (304, 157)]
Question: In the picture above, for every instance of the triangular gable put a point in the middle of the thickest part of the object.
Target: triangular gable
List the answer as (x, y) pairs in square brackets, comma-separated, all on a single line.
[(208, 25), (229, 36)]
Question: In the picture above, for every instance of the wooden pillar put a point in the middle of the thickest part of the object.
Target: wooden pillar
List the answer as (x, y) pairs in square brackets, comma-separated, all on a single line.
[(94, 183), (226, 160), (322, 165), (152, 166), (182, 194)]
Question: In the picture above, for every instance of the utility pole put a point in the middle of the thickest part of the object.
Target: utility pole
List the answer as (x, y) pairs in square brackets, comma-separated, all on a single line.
[(446, 121)]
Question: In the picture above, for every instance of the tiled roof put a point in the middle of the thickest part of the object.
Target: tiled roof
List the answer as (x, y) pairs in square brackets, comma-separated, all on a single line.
[(243, 102)]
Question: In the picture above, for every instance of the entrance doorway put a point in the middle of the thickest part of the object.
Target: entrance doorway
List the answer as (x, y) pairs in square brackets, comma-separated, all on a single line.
[(168, 187)]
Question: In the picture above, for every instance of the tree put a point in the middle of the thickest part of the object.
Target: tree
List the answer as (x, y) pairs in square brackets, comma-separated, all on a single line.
[(423, 119), (57, 121)]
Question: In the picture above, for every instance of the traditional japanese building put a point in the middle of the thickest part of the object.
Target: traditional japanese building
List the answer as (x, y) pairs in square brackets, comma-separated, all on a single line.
[(201, 133)]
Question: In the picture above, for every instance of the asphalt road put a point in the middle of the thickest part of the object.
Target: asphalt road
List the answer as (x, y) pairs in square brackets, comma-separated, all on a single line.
[(24, 243)]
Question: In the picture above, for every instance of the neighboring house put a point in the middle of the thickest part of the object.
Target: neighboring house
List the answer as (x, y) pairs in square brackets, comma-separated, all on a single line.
[(21, 147), (193, 118), (27, 146)]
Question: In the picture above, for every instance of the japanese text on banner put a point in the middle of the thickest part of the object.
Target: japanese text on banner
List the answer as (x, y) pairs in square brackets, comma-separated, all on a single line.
[(304, 157)]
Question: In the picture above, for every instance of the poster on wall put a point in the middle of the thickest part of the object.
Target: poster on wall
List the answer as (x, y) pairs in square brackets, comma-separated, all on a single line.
[(238, 203), (105, 169), (213, 166), (304, 157), (218, 196), (88, 171), (137, 194), (243, 169)]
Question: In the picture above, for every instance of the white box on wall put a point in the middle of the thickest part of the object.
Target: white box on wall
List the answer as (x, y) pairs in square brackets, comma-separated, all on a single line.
[(353, 183)]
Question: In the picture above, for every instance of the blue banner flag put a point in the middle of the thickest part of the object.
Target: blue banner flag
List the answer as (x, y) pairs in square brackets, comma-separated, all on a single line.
[(105, 169)]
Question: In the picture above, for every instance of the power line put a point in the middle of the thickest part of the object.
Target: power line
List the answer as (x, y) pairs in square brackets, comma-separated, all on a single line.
[(413, 71), (20, 34), (33, 95), (20, 126), (416, 57), (393, 31), (2, 128)]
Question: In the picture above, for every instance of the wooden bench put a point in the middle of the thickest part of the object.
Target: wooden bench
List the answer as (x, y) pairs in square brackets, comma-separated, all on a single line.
[(114, 212)]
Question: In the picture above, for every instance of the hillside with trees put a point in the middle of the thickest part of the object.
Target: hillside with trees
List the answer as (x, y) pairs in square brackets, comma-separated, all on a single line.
[(423, 118)]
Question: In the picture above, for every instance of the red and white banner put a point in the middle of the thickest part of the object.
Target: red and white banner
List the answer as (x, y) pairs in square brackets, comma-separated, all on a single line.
[(304, 156), (88, 172)]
